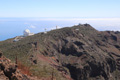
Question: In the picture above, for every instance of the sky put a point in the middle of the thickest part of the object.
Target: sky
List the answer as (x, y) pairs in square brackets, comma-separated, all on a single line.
[(60, 8)]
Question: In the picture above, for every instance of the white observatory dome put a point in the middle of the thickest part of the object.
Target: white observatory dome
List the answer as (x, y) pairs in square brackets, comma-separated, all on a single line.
[(26, 32)]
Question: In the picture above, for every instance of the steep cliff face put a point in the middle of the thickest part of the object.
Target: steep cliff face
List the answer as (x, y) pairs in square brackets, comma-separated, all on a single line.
[(78, 53)]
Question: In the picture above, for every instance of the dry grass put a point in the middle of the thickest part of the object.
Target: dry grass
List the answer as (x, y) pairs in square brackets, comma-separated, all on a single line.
[(24, 69)]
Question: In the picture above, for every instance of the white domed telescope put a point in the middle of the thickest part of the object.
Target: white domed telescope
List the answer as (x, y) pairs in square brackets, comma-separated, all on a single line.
[(27, 32)]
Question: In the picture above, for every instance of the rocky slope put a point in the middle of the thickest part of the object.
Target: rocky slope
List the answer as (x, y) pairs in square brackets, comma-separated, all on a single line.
[(78, 53), (9, 71)]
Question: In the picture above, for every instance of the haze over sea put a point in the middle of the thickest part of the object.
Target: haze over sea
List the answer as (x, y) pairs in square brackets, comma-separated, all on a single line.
[(12, 27)]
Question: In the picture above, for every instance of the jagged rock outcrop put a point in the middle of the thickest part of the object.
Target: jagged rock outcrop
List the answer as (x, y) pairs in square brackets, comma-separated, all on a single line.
[(9, 71)]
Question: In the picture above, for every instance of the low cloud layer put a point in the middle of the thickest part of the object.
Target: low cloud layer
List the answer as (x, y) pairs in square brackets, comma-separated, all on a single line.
[(98, 23), (32, 26)]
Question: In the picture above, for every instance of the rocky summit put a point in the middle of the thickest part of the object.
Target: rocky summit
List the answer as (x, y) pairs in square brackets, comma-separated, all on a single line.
[(71, 53)]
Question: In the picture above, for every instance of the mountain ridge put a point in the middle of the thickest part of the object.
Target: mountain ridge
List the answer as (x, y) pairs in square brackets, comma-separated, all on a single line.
[(79, 53)]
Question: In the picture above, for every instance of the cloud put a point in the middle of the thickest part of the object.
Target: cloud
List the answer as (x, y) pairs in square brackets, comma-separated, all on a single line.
[(26, 23), (32, 26), (98, 23)]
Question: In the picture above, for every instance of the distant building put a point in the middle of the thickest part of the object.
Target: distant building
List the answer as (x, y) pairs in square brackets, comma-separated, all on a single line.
[(27, 33), (79, 24), (45, 31), (17, 38), (56, 27)]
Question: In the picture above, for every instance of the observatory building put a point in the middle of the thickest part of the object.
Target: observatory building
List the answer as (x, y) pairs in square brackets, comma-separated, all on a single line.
[(27, 33)]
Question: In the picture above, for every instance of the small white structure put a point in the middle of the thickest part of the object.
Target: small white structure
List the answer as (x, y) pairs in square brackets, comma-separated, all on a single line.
[(45, 31), (56, 27), (27, 33)]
